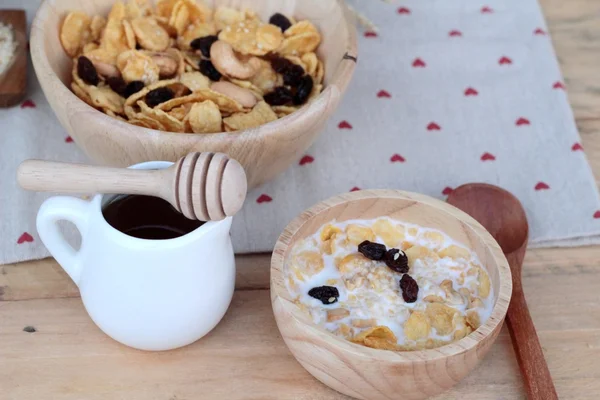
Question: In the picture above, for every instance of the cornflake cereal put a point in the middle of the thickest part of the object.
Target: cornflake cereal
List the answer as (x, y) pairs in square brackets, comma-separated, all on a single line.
[(389, 285), (154, 65)]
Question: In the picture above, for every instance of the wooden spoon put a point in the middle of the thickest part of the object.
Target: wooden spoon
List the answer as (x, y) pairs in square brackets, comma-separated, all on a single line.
[(503, 216), (203, 186)]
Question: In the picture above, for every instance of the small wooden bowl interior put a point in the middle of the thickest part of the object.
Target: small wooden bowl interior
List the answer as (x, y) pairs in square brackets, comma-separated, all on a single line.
[(367, 373), (264, 151)]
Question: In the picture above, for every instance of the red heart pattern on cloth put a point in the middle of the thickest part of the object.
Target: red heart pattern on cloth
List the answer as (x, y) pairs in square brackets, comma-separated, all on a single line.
[(68, 139), (577, 147), (383, 94), (447, 190), (504, 61), (487, 157), (355, 189), (28, 104), (542, 186), (344, 125), (539, 31), (471, 92), (486, 10), (454, 33), (558, 85), (597, 214), (397, 158), (432, 126), (403, 10), (306, 160), (264, 198), (25, 238), (418, 63), (370, 34), (522, 121)]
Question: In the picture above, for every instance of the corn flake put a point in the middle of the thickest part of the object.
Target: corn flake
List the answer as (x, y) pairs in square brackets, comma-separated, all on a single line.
[(417, 326), (225, 16), (103, 97), (170, 123), (194, 31), (75, 32), (205, 117), (129, 34), (441, 317), (97, 26), (150, 34), (260, 114), (137, 66)]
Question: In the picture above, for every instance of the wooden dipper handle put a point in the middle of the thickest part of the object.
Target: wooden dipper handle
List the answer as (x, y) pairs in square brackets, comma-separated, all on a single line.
[(204, 186)]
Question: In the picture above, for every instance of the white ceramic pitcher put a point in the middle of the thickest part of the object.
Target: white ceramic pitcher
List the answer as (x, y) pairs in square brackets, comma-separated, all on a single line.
[(147, 294)]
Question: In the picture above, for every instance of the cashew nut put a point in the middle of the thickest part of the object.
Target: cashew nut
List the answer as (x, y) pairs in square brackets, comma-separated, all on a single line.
[(227, 63), (106, 70), (244, 96), (167, 66)]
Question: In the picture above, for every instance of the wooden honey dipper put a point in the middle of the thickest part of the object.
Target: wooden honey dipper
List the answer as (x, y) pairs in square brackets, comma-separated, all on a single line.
[(202, 186)]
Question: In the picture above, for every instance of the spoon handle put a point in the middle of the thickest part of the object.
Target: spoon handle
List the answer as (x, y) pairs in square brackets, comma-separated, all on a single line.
[(538, 381), (47, 176)]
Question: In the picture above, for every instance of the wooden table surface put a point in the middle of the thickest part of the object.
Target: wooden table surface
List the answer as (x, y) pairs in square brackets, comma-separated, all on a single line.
[(244, 357)]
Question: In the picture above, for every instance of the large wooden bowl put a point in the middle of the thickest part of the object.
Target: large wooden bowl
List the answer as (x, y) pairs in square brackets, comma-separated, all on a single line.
[(367, 373), (264, 151)]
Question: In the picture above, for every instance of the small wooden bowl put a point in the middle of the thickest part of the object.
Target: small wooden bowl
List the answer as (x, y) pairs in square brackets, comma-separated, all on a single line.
[(264, 152), (367, 373)]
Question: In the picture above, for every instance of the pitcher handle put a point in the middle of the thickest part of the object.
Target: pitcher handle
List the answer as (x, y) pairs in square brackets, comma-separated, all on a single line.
[(69, 209)]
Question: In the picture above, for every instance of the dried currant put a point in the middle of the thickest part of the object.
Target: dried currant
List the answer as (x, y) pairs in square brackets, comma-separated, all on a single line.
[(133, 87), (410, 288), (303, 91), (293, 75), (86, 71), (117, 84), (281, 21), (327, 294), (279, 96), (209, 70), (396, 260), (280, 64), (203, 44), (373, 251), (157, 96)]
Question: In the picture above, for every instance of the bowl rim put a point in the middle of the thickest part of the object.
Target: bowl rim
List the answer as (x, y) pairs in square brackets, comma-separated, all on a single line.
[(463, 345), (301, 117)]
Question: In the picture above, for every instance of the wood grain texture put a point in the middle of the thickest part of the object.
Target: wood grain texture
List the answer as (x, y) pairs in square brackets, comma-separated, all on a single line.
[(13, 82), (71, 359), (503, 215), (366, 373), (264, 151), (217, 188), (575, 31)]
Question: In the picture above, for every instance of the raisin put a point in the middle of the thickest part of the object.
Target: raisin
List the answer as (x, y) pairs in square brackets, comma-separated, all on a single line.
[(327, 294), (279, 96), (293, 75), (209, 70), (117, 84), (280, 64), (396, 260), (410, 288), (303, 91), (373, 251), (281, 21), (86, 71), (157, 96), (133, 87), (203, 44)]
